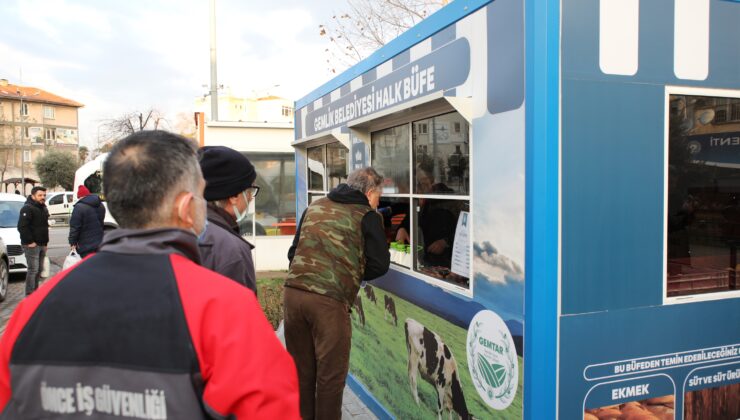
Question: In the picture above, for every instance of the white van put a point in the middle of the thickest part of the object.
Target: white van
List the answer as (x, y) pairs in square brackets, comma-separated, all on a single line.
[(60, 205), (91, 176)]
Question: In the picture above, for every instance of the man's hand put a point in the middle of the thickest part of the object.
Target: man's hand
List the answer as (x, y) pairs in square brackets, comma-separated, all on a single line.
[(437, 247), (402, 236), (32, 245)]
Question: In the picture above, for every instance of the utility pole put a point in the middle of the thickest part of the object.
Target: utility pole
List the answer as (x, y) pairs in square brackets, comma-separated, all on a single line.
[(214, 81), (23, 155)]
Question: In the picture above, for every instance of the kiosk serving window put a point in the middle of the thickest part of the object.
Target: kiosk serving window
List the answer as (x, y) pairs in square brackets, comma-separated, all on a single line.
[(703, 220), (426, 202), (327, 168)]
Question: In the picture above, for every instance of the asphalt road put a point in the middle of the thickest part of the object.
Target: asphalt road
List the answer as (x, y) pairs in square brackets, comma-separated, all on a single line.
[(58, 245), (57, 251)]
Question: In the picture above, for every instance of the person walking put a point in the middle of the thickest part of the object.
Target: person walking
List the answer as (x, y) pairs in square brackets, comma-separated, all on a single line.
[(33, 225), (140, 329), (86, 223), (340, 242), (229, 190)]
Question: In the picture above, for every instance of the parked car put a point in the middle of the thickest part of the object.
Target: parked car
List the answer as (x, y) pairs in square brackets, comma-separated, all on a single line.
[(4, 274), (10, 209), (60, 205)]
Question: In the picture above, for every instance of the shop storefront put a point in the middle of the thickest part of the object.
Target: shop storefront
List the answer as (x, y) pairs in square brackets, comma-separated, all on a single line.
[(533, 159)]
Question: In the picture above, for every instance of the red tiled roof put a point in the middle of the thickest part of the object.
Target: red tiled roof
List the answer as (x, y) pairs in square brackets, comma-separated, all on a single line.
[(32, 94)]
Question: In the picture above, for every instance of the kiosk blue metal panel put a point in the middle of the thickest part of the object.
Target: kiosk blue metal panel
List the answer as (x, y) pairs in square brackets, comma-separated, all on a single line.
[(560, 127)]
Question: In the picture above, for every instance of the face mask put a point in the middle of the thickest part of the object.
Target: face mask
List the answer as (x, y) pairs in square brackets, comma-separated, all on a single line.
[(202, 235), (239, 215)]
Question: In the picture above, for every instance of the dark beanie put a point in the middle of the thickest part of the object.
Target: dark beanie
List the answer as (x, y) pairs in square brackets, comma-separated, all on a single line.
[(226, 171)]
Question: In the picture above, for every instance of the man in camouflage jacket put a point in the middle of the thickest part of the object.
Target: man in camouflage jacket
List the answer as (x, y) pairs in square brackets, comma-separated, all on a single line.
[(340, 242)]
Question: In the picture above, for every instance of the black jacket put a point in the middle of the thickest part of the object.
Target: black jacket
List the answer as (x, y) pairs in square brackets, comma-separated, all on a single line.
[(86, 224), (33, 223), (377, 258), (224, 251), (142, 326)]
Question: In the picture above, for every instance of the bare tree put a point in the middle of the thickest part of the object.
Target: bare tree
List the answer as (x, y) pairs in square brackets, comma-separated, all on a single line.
[(367, 25), (132, 122), (115, 129), (184, 125), (7, 143)]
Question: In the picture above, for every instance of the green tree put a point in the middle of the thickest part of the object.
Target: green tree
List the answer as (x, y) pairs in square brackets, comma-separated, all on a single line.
[(57, 168)]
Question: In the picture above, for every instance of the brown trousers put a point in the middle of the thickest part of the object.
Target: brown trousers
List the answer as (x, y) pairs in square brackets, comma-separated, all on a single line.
[(318, 334)]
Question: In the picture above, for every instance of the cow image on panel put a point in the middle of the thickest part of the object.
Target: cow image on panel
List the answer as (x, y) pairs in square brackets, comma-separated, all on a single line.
[(390, 309), (358, 310), (430, 357), (370, 294)]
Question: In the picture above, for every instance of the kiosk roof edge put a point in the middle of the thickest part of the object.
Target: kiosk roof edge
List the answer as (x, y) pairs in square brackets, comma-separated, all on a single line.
[(439, 20)]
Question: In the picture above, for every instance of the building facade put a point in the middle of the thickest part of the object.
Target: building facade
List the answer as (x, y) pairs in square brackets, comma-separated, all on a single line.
[(33, 121), (254, 109), (261, 129)]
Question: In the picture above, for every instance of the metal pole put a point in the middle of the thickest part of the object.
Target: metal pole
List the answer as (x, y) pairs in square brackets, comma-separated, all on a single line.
[(23, 155), (214, 81)]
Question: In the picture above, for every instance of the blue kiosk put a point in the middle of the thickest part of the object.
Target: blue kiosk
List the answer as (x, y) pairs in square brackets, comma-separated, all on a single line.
[(562, 207)]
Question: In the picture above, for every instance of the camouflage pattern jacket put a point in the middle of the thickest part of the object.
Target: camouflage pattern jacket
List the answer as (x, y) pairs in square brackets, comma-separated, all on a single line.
[(340, 241)]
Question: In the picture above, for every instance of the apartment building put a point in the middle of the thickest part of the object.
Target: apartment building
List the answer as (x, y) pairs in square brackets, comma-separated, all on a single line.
[(33, 121)]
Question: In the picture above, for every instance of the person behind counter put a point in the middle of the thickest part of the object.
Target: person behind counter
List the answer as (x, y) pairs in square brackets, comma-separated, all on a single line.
[(437, 223), (339, 242)]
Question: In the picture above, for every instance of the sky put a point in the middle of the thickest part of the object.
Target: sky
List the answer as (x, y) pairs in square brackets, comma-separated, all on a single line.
[(122, 56)]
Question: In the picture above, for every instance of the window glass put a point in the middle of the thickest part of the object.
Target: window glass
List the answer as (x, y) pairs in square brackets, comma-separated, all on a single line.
[(337, 164), (395, 213), (275, 202), (57, 199), (245, 227), (441, 155), (314, 197), (703, 220), (70, 198), (434, 237), (390, 157), (316, 168), (9, 213)]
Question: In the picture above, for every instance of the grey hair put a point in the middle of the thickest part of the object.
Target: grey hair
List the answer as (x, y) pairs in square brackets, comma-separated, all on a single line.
[(365, 180)]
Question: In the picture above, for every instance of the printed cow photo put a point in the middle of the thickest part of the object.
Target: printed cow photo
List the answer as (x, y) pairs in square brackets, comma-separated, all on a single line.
[(390, 309), (430, 357)]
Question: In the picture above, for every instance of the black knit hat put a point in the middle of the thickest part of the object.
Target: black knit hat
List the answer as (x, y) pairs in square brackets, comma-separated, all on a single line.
[(226, 171)]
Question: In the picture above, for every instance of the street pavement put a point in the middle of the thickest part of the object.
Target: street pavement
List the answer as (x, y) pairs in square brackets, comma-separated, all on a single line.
[(57, 252), (352, 407)]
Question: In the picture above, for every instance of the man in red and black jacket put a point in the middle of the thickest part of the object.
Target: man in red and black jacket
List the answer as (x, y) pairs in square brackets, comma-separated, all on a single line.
[(139, 330)]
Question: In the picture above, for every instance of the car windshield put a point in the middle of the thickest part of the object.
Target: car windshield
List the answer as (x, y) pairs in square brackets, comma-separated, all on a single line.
[(9, 211)]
